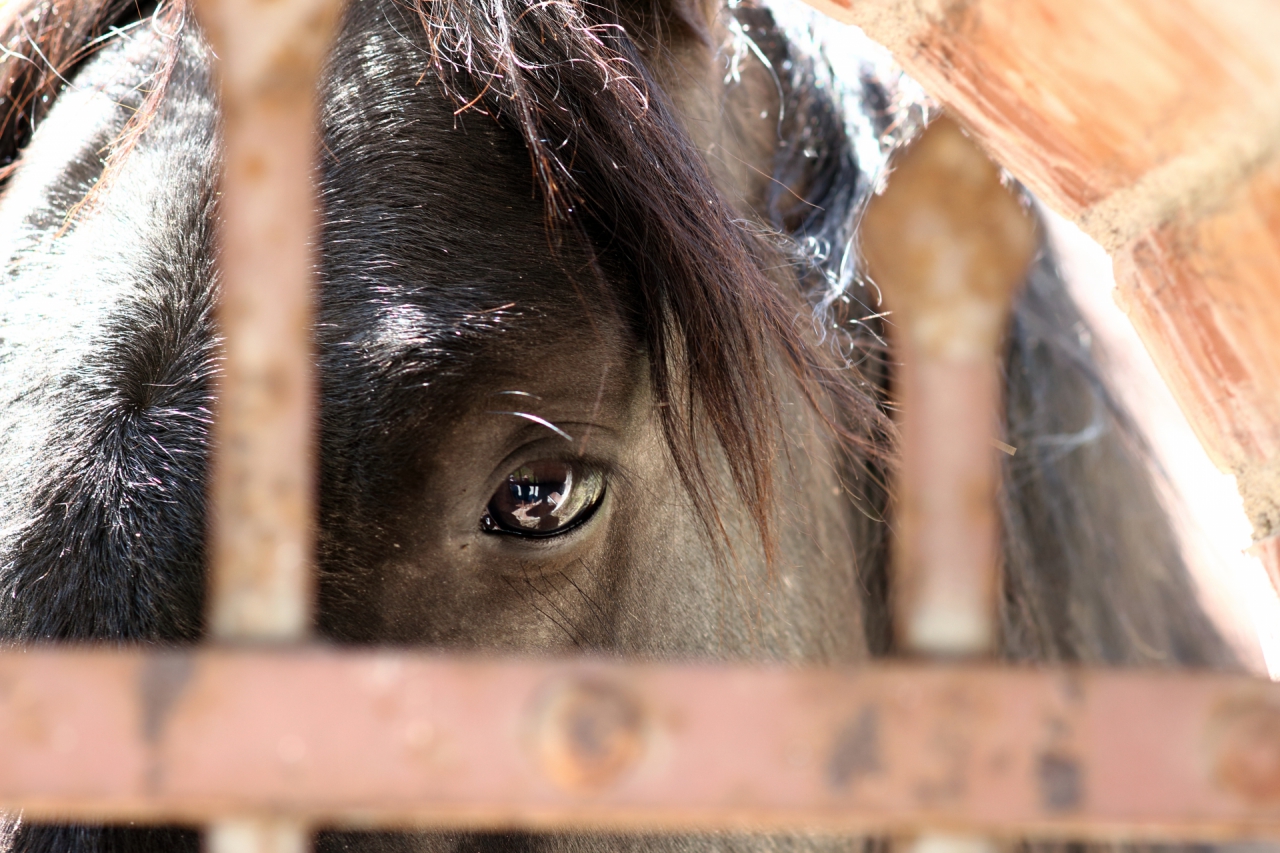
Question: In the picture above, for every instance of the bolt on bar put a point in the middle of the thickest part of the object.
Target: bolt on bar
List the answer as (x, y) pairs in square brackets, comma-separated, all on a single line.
[(948, 244), (270, 53)]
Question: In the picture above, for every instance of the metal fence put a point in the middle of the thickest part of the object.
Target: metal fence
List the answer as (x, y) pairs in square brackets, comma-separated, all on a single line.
[(263, 736)]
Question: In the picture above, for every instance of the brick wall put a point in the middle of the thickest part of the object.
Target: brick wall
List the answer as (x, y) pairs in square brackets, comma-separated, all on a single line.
[(1155, 126)]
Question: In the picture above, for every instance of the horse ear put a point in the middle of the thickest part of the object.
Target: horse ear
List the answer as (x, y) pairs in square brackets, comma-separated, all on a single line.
[(659, 24)]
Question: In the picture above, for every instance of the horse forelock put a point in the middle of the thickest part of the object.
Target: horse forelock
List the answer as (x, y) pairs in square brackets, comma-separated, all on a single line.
[(718, 298)]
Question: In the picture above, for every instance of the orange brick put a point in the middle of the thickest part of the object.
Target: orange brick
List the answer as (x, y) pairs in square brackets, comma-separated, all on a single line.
[(1204, 293), (1083, 99)]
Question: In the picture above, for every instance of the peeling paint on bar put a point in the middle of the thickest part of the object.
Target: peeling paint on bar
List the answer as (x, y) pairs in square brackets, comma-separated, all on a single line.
[(269, 56), (256, 836), (948, 245), (382, 738), (269, 59)]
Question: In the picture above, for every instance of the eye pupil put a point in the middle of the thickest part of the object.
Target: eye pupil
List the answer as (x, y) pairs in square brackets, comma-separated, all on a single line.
[(544, 498)]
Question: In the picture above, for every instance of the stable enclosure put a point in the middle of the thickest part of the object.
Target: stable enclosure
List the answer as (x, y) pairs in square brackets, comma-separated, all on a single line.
[(1155, 126)]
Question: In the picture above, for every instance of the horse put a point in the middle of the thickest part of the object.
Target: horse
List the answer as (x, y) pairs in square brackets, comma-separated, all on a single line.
[(598, 372)]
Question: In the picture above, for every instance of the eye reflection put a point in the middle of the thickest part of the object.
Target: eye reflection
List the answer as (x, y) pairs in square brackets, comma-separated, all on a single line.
[(544, 498)]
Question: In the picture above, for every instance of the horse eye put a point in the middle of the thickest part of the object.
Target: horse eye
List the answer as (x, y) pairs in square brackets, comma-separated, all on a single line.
[(544, 498)]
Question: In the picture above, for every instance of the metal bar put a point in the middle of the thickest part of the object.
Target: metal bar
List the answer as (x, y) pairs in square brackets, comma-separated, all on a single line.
[(400, 739), (257, 836), (948, 245), (269, 59)]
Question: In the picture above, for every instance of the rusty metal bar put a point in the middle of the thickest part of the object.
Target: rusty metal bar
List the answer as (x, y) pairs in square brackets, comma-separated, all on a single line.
[(240, 835), (948, 244), (269, 59), (387, 738)]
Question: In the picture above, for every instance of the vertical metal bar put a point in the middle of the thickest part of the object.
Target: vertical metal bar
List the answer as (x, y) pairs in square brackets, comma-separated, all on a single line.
[(269, 58), (270, 53), (257, 836), (948, 244)]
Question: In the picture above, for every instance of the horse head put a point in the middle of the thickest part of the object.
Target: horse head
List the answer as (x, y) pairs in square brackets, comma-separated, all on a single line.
[(597, 372)]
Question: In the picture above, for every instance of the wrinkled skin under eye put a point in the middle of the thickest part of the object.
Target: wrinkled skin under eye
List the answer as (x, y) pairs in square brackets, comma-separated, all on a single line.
[(544, 498)]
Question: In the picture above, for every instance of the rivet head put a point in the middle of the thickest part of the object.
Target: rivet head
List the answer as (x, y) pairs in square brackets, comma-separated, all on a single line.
[(1246, 744), (588, 733)]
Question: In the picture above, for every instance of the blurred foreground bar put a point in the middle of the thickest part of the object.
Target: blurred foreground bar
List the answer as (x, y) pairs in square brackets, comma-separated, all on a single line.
[(261, 580), (269, 60), (399, 739), (949, 246)]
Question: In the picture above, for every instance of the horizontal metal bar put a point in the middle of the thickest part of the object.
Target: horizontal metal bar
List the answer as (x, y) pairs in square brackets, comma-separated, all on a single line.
[(397, 738)]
